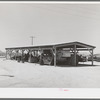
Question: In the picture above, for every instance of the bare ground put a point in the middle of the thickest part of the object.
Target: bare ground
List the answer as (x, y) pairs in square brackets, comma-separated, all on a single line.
[(29, 75)]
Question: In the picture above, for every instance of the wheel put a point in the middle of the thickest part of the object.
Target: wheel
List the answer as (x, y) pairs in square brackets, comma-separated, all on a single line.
[(52, 62), (18, 59), (41, 62)]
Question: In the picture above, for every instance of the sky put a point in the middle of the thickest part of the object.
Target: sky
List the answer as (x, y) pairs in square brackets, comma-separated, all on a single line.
[(49, 24)]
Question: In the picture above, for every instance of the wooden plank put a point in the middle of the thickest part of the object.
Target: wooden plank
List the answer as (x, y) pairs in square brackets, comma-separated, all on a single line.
[(84, 49), (84, 45)]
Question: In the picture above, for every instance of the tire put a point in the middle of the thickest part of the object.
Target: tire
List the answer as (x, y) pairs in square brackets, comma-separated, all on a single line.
[(18, 59), (41, 62), (52, 62)]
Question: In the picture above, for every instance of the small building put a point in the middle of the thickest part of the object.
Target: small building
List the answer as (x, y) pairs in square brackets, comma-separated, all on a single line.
[(50, 54)]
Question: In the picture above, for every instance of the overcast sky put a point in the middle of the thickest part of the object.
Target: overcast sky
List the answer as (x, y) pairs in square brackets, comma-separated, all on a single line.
[(49, 23)]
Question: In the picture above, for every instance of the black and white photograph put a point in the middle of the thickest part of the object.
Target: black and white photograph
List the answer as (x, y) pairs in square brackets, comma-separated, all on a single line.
[(49, 45)]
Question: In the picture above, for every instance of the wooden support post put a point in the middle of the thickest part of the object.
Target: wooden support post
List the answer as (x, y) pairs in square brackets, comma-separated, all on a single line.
[(10, 54), (16, 54), (22, 55), (30, 57), (74, 55), (55, 52), (92, 57), (34, 52), (6, 54)]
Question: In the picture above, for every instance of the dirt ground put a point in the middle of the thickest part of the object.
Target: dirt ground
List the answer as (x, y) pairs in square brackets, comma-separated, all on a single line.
[(30, 75)]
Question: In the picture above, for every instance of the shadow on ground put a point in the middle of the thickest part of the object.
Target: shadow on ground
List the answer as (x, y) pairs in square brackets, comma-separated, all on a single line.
[(79, 65)]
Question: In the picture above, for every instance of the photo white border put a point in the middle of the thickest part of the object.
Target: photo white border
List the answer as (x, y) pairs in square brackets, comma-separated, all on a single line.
[(73, 93)]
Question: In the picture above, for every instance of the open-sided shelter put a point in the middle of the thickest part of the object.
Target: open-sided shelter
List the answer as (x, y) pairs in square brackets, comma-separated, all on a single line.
[(72, 47)]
